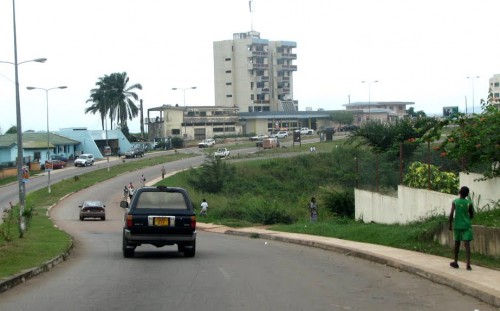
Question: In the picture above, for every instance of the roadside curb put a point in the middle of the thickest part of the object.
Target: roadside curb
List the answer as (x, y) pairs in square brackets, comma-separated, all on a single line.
[(471, 289), (10, 282)]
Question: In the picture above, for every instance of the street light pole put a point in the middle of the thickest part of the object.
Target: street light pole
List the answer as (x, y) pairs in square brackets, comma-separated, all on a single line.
[(48, 136), (20, 158), (184, 94), (472, 79), (369, 95)]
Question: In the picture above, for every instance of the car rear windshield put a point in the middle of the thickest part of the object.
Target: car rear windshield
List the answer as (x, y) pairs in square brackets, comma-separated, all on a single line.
[(161, 200)]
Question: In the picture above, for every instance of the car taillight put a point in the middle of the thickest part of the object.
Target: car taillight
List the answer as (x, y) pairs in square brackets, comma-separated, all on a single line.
[(193, 222), (128, 221)]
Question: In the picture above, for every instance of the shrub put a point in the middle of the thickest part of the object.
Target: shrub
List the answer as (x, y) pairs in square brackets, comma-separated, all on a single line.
[(418, 177), (341, 203)]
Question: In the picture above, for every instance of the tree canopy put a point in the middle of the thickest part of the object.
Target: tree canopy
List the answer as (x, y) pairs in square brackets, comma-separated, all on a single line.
[(114, 98), (475, 141)]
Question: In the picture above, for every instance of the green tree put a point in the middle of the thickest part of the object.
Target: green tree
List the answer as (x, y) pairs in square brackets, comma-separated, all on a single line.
[(212, 176), (114, 98), (12, 130), (475, 141), (342, 117)]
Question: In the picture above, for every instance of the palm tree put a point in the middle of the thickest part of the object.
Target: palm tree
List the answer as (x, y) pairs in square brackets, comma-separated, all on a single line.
[(113, 98)]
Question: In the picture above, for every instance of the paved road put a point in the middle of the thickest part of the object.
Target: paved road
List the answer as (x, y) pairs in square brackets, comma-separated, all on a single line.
[(228, 272)]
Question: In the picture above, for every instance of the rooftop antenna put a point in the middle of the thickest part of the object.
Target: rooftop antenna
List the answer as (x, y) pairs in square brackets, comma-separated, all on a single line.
[(251, 5)]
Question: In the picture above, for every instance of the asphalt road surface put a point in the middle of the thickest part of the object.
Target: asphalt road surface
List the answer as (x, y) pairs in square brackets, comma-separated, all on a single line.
[(228, 272)]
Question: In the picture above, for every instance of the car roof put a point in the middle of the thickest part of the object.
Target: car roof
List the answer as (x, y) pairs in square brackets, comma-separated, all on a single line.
[(93, 203)]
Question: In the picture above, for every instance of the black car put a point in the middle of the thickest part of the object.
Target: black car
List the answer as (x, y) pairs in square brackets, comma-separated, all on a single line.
[(159, 216), (134, 153), (92, 209)]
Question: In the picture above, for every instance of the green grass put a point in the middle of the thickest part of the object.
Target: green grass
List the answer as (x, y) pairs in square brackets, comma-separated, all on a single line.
[(258, 194), (42, 241)]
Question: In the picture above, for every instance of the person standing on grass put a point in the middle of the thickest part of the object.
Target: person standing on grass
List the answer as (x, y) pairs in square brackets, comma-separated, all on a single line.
[(313, 210), (462, 212)]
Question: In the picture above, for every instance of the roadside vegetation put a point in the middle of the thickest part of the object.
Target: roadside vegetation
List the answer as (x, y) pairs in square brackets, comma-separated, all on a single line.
[(275, 192)]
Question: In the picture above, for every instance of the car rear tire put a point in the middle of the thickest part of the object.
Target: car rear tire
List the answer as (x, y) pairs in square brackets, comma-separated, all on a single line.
[(81, 218), (103, 218), (190, 249), (128, 252)]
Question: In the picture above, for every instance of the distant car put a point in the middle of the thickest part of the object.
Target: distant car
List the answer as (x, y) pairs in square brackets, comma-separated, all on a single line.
[(85, 159), (221, 153), (159, 216), (209, 142), (134, 153), (258, 137), (58, 164), (270, 143), (92, 209), (59, 157), (281, 134)]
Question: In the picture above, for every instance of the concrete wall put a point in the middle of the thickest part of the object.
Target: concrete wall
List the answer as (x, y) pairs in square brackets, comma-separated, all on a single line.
[(410, 205), (486, 240), (488, 190), (416, 204)]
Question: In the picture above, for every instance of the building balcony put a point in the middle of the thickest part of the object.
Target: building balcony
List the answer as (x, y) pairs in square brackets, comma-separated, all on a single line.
[(287, 56), (153, 120), (262, 78), (283, 79), (252, 66), (210, 119), (261, 102), (258, 54), (288, 67), (284, 90)]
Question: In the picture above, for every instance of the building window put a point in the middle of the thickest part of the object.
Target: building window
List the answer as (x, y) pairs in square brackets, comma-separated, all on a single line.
[(229, 95), (400, 107), (252, 97), (497, 84), (228, 71), (496, 95), (227, 59), (176, 131), (229, 83)]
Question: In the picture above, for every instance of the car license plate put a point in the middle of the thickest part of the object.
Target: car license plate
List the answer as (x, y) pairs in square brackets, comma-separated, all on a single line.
[(161, 221)]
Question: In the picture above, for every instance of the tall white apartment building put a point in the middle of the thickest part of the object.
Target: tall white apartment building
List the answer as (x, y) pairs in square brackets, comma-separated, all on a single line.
[(254, 74), (495, 89)]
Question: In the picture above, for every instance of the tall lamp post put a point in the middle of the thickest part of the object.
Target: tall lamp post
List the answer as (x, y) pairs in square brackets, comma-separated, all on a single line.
[(472, 78), (48, 136), (20, 160), (369, 95), (184, 94)]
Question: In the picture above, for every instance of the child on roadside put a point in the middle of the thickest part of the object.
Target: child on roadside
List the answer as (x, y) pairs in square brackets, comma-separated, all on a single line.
[(461, 215)]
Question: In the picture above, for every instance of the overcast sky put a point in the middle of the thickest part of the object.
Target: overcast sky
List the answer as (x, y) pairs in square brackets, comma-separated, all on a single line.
[(419, 51)]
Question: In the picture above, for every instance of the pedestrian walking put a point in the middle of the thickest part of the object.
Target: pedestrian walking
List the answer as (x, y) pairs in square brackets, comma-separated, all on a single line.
[(143, 180), (131, 191), (163, 172), (460, 220), (125, 193), (313, 210), (204, 208)]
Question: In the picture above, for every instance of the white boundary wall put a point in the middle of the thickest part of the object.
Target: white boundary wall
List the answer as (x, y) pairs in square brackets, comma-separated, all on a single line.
[(489, 190), (416, 204)]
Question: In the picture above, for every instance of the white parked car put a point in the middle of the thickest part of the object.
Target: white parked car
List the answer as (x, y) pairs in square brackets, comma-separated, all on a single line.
[(281, 134), (221, 153), (85, 159), (209, 142)]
